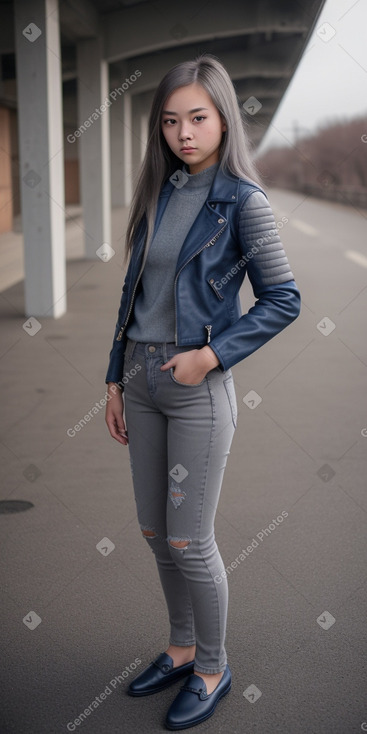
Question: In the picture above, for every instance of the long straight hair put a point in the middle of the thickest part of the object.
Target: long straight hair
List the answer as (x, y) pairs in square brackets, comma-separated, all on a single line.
[(235, 154)]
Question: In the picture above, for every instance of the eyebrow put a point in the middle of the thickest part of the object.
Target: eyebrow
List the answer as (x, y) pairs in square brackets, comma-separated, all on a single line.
[(196, 109)]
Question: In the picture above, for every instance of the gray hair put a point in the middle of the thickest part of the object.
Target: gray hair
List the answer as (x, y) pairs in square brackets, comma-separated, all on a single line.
[(235, 154)]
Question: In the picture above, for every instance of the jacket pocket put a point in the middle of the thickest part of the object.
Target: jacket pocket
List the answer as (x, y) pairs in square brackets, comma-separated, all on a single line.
[(214, 286)]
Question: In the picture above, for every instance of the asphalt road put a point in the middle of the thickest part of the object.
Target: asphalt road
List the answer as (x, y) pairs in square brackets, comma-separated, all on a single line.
[(74, 616)]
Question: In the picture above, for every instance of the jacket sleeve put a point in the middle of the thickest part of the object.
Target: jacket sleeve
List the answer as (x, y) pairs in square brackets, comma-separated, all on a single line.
[(116, 356), (272, 282)]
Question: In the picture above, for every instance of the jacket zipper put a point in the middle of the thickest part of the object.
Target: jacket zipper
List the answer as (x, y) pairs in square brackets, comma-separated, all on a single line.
[(208, 328), (212, 285), (119, 335), (208, 244)]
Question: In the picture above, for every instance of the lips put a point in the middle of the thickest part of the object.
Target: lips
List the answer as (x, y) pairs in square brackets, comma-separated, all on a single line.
[(183, 149)]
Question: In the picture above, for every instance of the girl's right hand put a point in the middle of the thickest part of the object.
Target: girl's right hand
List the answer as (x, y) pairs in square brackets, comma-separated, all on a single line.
[(114, 416)]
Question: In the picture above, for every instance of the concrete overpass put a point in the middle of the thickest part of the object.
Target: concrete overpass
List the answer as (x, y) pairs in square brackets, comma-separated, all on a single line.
[(71, 56)]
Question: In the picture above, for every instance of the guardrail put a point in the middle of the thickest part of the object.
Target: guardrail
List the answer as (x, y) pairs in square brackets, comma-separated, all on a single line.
[(349, 195)]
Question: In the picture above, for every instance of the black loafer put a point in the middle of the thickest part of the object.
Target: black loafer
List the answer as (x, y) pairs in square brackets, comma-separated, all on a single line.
[(158, 675), (193, 704)]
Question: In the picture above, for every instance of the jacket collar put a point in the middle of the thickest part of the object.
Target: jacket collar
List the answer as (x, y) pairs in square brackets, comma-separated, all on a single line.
[(224, 187)]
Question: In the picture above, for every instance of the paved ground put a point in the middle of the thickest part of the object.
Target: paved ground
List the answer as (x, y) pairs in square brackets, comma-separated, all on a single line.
[(298, 600)]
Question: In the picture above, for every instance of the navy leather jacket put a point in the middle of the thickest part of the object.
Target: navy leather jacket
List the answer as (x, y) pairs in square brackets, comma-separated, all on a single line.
[(233, 234)]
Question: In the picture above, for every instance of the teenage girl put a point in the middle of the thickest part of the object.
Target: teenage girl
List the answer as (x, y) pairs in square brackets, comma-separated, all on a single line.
[(198, 223)]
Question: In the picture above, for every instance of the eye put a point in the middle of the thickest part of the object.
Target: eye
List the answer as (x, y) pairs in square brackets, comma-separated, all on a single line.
[(170, 119)]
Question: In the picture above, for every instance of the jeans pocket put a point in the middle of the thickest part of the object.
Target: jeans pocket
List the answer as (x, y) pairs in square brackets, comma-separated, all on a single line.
[(231, 395), (184, 384)]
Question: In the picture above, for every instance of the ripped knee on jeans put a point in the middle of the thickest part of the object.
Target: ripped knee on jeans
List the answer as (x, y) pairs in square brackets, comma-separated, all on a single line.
[(148, 533), (180, 543)]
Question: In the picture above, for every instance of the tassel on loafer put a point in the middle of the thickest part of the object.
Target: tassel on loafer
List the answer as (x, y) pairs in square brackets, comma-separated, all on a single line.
[(158, 675), (193, 704)]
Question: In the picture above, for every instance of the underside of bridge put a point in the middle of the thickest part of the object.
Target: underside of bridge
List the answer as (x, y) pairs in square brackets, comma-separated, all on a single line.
[(62, 59), (260, 43)]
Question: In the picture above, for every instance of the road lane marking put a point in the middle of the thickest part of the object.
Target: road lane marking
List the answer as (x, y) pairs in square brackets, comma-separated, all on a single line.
[(356, 257), (303, 227)]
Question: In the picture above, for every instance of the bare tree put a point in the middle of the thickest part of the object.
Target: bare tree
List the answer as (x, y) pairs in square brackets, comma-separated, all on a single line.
[(334, 158)]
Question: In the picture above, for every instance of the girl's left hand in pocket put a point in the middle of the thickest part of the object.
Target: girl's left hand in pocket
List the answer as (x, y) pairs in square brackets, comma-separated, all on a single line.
[(191, 367)]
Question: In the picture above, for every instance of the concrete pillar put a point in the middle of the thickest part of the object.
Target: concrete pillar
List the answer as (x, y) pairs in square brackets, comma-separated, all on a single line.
[(143, 134), (121, 150), (136, 137), (117, 152), (140, 132), (39, 86), (94, 144), (125, 138), (140, 116), (127, 148)]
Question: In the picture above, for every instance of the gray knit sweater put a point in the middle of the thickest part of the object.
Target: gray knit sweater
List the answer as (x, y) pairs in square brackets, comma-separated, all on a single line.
[(153, 317)]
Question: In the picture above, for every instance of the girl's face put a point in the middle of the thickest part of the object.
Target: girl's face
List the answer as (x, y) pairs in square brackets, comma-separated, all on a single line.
[(190, 120)]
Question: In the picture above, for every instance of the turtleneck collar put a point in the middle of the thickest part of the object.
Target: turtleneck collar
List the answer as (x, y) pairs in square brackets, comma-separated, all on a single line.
[(199, 180)]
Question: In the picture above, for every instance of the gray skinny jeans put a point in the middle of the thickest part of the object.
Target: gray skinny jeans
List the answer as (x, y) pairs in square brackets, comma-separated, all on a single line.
[(179, 440)]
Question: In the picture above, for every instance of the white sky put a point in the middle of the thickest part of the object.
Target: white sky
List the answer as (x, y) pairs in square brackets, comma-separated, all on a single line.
[(330, 83)]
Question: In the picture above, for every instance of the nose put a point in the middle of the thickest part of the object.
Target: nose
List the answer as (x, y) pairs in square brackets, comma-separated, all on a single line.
[(184, 133)]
